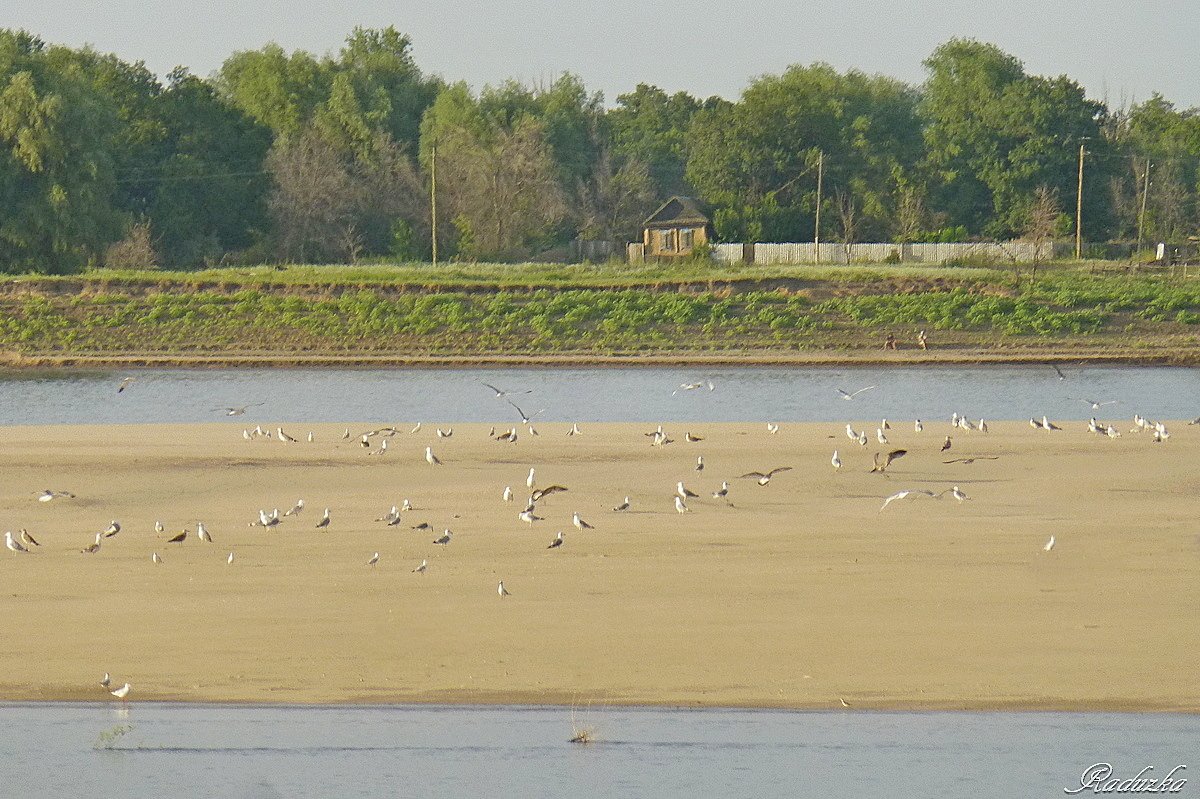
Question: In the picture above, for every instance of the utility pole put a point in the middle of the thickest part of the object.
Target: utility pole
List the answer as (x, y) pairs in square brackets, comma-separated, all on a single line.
[(1079, 209), (433, 199), (1142, 213), (817, 226)]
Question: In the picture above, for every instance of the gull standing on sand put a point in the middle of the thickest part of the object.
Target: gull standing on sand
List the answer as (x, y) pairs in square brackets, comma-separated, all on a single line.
[(624, 506), (917, 426), (374, 559), (299, 506), (113, 528), (1048, 425), (579, 523), (691, 439), (683, 491), (156, 559), (680, 507), (14, 545), (699, 463), (284, 437), (720, 493), (850, 433), (946, 444), (422, 568), (48, 495), (772, 428), (27, 539), (879, 436), (508, 494), (528, 516), (530, 481), (1049, 544), (958, 494), (324, 520), (836, 461), (106, 680), (445, 539), (575, 431), (430, 458), (121, 693), (502, 591), (159, 527), (92, 549), (202, 533), (557, 542), (229, 560), (179, 537)]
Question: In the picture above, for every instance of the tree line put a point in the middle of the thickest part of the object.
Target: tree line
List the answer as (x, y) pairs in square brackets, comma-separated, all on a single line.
[(293, 157)]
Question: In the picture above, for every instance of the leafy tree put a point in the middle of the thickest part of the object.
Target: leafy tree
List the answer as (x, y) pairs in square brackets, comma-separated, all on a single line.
[(57, 180), (755, 161), (994, 135), (650, 126), (496, 174)]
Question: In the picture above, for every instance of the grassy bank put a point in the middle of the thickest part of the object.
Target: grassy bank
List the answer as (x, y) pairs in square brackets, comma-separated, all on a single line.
[(474, 310)]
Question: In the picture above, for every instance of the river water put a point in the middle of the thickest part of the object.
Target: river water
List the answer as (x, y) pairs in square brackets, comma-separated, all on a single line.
[(57, 750), (781, 394)]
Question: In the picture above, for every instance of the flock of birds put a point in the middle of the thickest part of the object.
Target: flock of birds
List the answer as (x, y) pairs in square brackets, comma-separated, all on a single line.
[(24, 543)]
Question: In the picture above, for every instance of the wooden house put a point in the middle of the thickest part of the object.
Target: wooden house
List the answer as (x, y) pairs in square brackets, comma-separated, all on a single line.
[(675, 229)]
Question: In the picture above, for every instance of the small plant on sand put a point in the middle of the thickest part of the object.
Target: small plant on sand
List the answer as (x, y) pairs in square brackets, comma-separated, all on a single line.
[(108, 739)]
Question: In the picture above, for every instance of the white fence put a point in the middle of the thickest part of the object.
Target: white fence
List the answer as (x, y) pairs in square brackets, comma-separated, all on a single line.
[(834, 253)]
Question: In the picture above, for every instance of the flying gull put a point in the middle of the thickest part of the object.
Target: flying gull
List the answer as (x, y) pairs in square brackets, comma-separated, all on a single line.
[(238, 410), (500, 394), (526, 418), (913, 493), (125, 383), (849, 396), (882, 462), (762, 478)]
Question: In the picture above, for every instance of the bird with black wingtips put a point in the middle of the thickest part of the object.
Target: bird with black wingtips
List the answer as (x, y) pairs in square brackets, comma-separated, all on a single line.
[(946, 444), (27, 539), (444, 539), (422, 568), (557, 542), (579, 523), (624, 506), (324, 520), (179, 537)]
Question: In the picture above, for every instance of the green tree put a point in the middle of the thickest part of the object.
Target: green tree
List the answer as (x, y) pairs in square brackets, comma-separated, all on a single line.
[(57, 183)]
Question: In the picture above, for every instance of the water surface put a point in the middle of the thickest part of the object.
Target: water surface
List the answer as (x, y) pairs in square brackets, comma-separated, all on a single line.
[(782, 394), (257, 751)]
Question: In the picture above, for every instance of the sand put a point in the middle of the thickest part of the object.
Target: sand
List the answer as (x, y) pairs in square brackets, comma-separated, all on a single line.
[(802, 594)]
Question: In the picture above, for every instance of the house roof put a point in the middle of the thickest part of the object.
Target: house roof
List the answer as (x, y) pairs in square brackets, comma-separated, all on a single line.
[(677, 211)]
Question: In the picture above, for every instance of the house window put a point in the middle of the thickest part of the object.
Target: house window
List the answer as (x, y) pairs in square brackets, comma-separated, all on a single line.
[(686, 239), (667, 241)]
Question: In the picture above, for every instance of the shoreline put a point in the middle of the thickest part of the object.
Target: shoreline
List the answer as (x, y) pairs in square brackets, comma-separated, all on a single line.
[(1142, 356), (523, 700)]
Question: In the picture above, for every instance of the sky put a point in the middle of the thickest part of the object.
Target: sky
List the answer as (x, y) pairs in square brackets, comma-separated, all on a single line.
[(1120, 50)]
